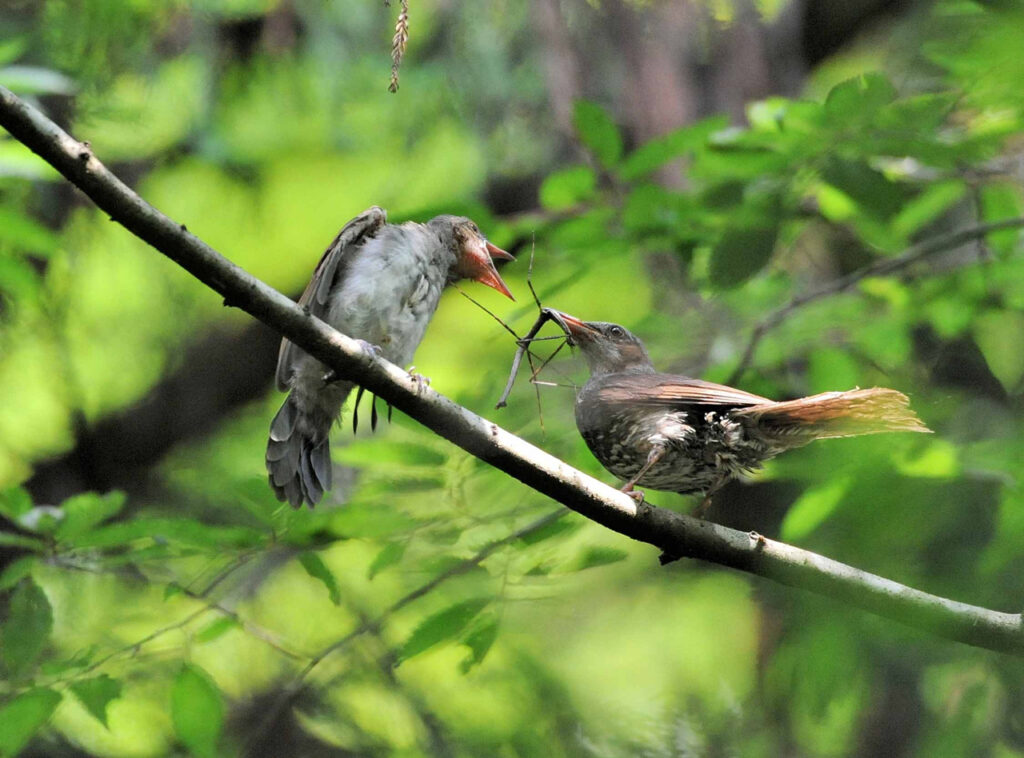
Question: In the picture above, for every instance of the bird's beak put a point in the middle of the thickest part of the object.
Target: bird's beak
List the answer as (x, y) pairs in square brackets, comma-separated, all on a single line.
[(480, 266), (574, 329), (497, 253)]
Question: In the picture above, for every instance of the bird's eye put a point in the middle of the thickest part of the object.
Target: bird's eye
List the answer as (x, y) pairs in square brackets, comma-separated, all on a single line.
[(617, 331)]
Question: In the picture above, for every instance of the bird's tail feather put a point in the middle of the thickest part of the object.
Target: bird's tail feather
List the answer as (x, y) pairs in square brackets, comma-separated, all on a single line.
[(838, 414), (298, 459)]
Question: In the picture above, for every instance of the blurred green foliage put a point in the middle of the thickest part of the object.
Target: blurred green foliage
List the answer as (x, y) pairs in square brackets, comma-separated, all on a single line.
[(441, 610)]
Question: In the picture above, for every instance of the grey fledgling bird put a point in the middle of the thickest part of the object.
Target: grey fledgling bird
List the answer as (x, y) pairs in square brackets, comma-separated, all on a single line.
[(671, 432), (379, 283)]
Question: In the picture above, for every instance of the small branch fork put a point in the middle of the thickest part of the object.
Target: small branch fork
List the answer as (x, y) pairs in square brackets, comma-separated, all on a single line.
[(674, 534)]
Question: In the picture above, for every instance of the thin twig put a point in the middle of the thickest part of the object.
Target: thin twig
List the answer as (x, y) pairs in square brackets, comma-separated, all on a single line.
[(904, 260)]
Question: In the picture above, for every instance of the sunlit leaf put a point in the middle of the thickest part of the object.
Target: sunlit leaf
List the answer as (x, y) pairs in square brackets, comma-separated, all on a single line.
[(183, 530), (22, 717), (857, 99), (86, 510), (813, 507), (441, 626), (25, 234), (998, 334), (596, 555), (96, 694), (371, 520), (926, 207), (565, 189), (389, 555), (546, 532), (317, 569), (197, 711), (1002, 200), (660, 150), (27, 629), (937, 459), (217, 628), (598, 132)]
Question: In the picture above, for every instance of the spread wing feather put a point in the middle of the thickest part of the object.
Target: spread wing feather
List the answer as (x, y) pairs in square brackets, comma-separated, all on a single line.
[(671, 390), (332, 265)]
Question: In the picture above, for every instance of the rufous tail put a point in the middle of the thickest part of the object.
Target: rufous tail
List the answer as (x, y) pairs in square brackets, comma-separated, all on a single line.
[(837, 414)]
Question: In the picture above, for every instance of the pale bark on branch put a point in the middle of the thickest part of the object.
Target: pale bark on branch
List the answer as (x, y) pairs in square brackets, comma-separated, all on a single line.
[(676, 535)]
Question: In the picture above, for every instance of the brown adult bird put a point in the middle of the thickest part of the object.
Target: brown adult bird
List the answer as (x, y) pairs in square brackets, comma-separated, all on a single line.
[(671, 432), (379, 283)]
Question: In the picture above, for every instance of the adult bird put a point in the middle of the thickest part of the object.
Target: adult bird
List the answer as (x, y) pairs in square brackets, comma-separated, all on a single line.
[(379, 283), (671, 432)]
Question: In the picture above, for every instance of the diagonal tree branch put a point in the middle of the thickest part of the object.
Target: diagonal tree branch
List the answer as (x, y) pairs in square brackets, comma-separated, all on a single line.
[(675, 534), (904, 260)]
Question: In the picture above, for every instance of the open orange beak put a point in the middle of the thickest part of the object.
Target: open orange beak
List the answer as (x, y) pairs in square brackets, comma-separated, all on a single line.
[(484, 271)]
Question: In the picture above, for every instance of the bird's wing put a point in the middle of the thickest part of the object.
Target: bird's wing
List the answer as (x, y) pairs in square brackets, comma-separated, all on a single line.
[(331, 266), (671, 390)]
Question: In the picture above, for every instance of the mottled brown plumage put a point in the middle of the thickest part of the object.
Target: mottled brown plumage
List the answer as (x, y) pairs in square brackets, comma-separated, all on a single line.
[(671, 432)]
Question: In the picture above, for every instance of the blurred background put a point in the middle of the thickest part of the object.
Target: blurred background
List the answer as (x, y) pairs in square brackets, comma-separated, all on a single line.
[(684, 168)]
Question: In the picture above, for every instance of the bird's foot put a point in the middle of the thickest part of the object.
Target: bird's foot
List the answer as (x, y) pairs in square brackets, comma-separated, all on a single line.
[(637, 495), (374, 351), (422, 382), (370, 349), (701, 510)]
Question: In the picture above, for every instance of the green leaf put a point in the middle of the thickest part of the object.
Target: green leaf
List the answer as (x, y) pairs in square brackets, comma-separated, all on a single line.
[(28, 627), (96, 694), (998, 334), (217, 628), (858, 99), (591, 557), (371, 520), (197, 711), (15, 502), (84, 511), (378, 452), (926, 207), (741, 253), (12, 48), (659, 151), (16, 571), (813, 507), (598, 132), (317, 569), (938, 459), (182, 530), (567, 188), (479, 639), (26, 234), (22, 717), (389, 555), (546, 532), (872, 191), (1000, 201), (441, 626)]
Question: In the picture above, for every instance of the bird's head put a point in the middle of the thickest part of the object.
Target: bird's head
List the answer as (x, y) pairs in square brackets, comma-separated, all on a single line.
[(474, 255), (607, 348)]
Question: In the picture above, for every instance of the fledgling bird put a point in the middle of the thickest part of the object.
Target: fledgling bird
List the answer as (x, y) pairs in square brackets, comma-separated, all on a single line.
[(379, 283), (671, 432)]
